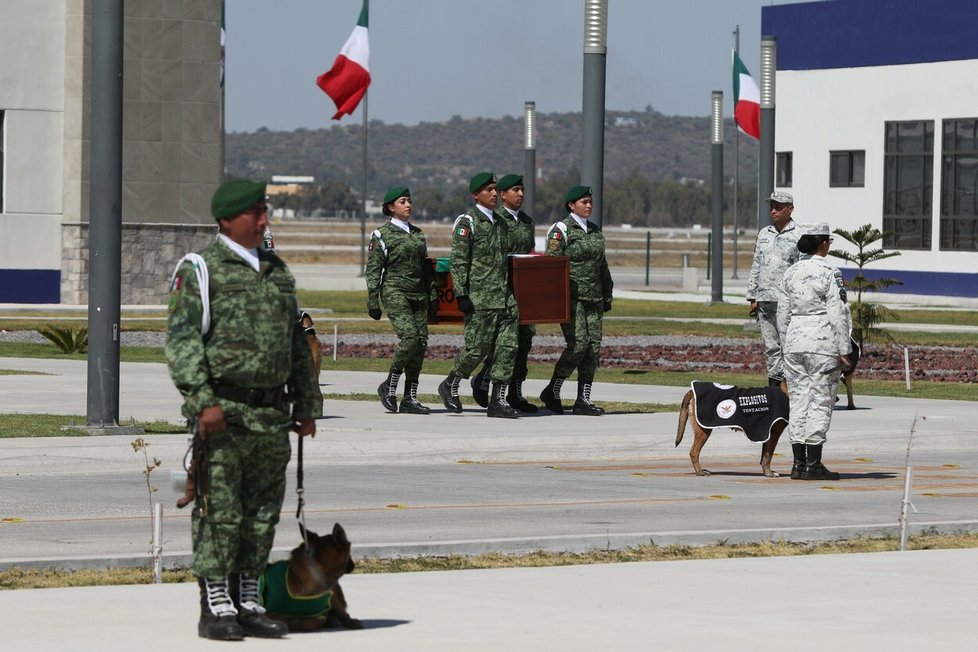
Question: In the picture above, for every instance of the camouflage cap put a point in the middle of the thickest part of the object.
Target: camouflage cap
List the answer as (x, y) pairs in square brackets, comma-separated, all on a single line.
[(818, 229), (480, 181), (393, 195), (236, 196), (781, 197), (509, 181)]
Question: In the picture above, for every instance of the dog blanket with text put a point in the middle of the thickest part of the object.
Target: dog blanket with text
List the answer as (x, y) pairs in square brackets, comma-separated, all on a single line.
[(754, 410)]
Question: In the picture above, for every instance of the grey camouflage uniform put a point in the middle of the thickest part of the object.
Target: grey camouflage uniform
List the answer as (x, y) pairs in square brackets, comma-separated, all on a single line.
[(774, 253), (399, 274), (255, 342), (479, 270), (814, 322), (590, 288)]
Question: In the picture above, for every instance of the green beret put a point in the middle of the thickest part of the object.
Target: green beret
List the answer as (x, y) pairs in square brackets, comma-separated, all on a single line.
[(480, 181), (508, 181), (393, 195), (576, 193), (236, 196)]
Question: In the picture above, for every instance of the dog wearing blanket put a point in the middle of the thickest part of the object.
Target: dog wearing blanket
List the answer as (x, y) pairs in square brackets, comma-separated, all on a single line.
[(760, 412)]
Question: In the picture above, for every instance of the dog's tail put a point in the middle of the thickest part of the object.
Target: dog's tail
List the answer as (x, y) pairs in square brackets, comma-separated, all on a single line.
[(683, 416)]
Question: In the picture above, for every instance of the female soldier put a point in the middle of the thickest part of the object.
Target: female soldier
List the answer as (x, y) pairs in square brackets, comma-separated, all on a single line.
[(398, 272), (590, 296), (814, 323)]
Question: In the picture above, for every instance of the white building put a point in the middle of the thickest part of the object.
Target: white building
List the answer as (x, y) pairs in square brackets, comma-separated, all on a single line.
[(171, 144), (876, 122)]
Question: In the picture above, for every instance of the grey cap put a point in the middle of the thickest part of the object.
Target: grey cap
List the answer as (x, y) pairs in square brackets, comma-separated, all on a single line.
[(820, 228), (781, 197)]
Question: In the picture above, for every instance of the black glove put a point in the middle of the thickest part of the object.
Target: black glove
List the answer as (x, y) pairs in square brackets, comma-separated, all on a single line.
[(433, 307), (607, 306), (465, 305), (374, 313)]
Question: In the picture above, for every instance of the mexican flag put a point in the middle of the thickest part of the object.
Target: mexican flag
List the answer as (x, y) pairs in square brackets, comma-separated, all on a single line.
[(348, 79), (747, 99)]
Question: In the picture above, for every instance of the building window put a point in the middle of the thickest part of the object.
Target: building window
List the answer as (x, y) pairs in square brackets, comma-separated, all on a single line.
[(959, 186), (908, 184), (847, 168), (782, 170)]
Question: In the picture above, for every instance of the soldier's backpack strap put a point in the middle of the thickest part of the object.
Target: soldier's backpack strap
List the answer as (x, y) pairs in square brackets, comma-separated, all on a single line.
[(380, 238), (203, 282)]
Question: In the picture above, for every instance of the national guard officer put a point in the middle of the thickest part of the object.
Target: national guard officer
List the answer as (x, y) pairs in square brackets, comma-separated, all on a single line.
[(774, 252), (814, 322), (521, 241), (590, 297), (238, 355), (479, 268), (398, 272)]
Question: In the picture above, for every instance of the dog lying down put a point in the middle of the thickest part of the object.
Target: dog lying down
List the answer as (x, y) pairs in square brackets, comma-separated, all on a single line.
[(304, 592), (761, 412)]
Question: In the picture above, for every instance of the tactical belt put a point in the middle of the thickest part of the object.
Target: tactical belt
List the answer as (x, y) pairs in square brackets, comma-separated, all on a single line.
[(273, 397)]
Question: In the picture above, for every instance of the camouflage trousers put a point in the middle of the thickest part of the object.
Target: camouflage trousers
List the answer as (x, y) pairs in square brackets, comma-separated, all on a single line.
[(233, 526), (524, 342), (409, 317), (813, 384), (489, 331), (767, 320), (582, 335)]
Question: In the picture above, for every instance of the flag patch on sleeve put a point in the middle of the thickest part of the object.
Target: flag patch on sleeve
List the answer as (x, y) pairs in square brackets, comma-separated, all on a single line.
[(462, 231)]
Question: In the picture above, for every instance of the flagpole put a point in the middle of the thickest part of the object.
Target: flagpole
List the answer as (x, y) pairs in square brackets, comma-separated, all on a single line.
[(363, 196), (736, 184)]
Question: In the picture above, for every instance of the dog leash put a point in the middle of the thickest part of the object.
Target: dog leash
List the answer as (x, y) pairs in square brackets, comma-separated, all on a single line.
[(300, 512)]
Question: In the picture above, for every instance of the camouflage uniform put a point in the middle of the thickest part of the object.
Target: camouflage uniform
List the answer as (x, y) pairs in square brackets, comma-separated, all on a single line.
[(479, 270), (399, 274), (255, 346), (814, 322), (590, 292), (774, 253)]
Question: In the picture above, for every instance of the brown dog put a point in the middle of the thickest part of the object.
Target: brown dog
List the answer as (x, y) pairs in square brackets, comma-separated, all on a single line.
[(702, 434), (848, 371), (304, 592)]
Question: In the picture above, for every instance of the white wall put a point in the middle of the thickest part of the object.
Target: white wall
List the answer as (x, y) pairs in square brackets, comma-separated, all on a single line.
[(845, 109)]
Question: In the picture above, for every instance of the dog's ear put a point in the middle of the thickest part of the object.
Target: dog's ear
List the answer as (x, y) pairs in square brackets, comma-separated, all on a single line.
[(340, 534), (307, 533)]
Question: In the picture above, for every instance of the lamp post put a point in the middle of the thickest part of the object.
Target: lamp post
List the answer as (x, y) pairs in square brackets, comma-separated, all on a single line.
[(716, 143), (595, 54), (530, 157)]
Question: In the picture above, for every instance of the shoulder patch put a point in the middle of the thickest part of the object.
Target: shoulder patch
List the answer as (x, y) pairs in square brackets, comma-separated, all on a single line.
[(462, 231), (555, 234)]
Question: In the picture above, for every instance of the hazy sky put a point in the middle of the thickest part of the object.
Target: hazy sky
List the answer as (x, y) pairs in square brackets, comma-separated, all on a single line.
[(432, 59)]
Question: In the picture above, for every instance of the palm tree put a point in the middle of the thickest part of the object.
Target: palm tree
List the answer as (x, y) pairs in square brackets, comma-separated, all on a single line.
[(867, 316)]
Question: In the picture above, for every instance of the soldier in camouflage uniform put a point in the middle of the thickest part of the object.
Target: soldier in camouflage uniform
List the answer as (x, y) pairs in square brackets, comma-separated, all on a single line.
[(521, 240), (774, 252), (590, 297), (479, 268), (239, 357), (398, 272), (814, 322)]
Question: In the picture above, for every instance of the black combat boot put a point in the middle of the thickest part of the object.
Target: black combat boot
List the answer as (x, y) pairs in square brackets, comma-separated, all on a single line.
[(814, 469), (388, 391), (480, 385), (583, 405), (218, 617), (551, 395), (448, 390), (515, 397), (410, 403), (798, 467), (498, 407), (251, 615)]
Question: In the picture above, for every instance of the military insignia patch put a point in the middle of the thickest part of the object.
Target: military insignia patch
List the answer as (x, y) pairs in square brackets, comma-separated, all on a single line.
[(177, 282), (555, 235), (462, 231), (371, 246), (553, 245)]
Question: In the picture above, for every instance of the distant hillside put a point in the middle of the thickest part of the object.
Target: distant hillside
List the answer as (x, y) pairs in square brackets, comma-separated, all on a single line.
[(444, 155)]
